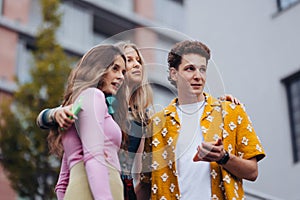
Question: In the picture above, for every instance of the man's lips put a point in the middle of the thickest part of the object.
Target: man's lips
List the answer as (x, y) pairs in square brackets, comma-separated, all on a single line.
[(196, 85)]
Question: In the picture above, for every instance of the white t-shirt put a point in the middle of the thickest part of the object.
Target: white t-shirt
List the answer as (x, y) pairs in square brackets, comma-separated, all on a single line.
[(193, 177)]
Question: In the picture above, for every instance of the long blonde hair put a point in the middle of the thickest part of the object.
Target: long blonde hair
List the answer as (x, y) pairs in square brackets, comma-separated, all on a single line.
[(141, 97), (90, 72)]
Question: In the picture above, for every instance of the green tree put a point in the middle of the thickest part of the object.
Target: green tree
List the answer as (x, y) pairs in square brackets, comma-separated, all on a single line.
[(25, 155)]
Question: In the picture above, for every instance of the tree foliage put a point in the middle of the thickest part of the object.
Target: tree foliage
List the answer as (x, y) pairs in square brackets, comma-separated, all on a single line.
[(25, 156)]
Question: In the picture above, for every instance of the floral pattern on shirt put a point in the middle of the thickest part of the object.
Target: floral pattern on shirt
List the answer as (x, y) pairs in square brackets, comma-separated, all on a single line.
[(228, 121)]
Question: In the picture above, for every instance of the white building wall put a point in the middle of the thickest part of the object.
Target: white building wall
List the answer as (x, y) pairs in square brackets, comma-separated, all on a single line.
[(254, 49)]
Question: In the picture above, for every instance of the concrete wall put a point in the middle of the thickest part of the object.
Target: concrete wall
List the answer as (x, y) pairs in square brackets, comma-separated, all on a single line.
[(254, 48)]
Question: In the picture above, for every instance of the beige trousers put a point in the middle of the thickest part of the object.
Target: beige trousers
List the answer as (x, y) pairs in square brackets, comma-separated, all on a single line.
[(78, 188)]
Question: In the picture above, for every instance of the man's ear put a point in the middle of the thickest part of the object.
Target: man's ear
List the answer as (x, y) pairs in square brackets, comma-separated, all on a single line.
[(173, 74)]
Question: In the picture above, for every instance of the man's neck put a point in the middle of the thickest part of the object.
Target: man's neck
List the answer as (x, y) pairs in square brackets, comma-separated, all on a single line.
[(189, 99)]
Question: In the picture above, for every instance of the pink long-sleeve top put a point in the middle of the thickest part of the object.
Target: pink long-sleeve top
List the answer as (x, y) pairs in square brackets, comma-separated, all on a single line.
[(95, 138)]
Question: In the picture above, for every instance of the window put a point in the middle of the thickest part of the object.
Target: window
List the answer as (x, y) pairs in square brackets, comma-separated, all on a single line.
[(292, 85), (35, 14), (1, 7), (284, 4), (171, 13), (123, 5), (179, 1), (111, 28), (75, 34), (24, 60)]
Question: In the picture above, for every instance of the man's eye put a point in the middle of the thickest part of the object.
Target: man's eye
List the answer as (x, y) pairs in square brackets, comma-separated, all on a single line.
[(202, 69), (190, 68)]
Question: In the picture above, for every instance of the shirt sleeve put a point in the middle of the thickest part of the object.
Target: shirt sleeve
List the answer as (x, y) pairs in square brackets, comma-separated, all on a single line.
[(45, 118), (248, 143), (63, 179), (90, 128)]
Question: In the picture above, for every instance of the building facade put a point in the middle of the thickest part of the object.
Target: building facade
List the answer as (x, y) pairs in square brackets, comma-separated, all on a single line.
[(86, 23), (255, 47)]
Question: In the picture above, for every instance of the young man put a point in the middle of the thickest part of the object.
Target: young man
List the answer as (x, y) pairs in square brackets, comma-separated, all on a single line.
[(198, 146)]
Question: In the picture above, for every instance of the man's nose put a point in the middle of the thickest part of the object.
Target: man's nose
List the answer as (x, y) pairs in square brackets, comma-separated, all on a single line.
[(197, 74)]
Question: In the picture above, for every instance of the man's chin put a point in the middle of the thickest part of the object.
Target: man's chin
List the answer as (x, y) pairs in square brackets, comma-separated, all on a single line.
[(193, 95), (196, 92)]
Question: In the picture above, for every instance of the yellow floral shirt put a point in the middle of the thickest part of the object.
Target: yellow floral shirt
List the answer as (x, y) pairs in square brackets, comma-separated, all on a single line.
[(229, 122)]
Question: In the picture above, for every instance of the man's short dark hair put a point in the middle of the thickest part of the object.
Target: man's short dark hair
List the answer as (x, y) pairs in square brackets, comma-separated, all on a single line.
[(186, 47)]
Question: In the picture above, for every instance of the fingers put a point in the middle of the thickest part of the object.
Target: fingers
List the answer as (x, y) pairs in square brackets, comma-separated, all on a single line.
[(219, 142), (229, 97), (208, 148), (236, 101), (197, 156), (222, 98), (209, 152), (64, 117), (202, 155)]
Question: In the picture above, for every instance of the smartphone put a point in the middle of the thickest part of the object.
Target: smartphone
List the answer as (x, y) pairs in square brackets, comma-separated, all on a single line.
[(76, 108), (196, 157)]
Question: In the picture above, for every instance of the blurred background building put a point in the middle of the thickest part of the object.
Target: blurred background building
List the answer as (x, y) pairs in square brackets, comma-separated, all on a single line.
[(255, 46)]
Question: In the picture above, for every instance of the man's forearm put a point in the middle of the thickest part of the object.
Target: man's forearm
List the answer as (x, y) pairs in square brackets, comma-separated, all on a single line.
[(241, 168)]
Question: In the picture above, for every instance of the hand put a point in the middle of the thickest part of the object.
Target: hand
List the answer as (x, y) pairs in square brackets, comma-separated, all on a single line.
[(229, 97), (143, 191), (210, 151), (64, 117)]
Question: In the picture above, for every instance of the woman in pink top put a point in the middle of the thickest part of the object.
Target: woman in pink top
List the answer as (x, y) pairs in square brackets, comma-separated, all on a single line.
[(93, 142)]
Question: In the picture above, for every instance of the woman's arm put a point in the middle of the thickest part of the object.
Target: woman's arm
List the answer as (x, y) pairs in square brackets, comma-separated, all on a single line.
[(63, 179), (142, 189), (91, 131)]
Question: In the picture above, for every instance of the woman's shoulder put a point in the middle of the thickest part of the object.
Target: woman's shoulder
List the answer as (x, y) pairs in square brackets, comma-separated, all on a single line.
[(90, 95), (90, 99), (93, 91)]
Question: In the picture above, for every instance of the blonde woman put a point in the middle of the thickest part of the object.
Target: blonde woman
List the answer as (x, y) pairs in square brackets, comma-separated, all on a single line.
[(140, 99)]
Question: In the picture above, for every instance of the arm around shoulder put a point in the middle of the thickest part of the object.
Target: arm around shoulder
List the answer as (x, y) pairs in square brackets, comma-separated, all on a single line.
[(45, 119), (143, 191)]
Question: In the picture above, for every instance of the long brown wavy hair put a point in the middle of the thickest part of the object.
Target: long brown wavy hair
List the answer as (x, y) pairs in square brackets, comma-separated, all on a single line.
[(90, 72)]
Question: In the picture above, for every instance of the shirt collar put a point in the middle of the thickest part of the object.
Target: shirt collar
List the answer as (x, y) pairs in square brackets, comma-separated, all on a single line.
[(210, 104)]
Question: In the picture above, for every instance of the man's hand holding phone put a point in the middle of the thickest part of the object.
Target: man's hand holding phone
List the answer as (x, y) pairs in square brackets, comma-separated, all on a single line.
[(210, 151)]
